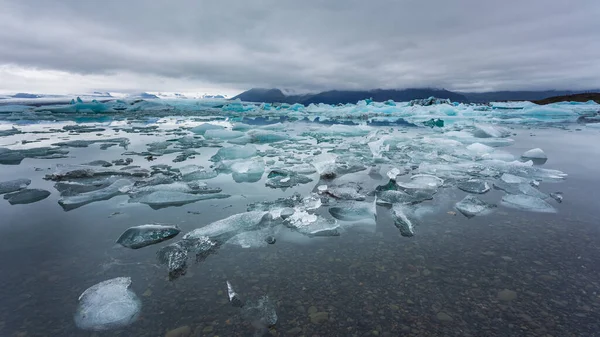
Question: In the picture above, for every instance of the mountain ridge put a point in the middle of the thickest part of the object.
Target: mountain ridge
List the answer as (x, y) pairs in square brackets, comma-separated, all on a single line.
[(274, 95)]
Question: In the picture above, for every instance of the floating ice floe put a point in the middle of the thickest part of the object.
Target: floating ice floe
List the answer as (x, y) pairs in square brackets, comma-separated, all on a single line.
[(471, 206), (146, 235), (108, 305), (26, 196), (527, 203), (14, 185)]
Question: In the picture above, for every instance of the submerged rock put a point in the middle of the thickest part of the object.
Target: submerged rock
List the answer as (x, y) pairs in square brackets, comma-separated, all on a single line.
[(26, 196), (145, 235), (14, 185), (108, 305)]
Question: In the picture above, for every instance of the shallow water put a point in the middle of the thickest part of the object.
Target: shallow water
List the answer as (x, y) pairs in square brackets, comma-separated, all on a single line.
[(450, 279)]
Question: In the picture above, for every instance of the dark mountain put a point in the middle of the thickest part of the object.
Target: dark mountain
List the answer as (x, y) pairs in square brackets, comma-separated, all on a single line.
[(346, 96), (26, 95), (592, 96), (263, 95), (484, 97)]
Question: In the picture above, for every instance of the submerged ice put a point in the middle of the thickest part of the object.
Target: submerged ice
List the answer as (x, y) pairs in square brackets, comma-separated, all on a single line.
[(108, 305)]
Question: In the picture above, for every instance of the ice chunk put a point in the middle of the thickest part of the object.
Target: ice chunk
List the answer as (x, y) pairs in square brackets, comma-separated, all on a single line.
[(345, 193), (283, 178), (558, 196), (234, 152), (527, 189), (536, 153), (511, 188), (145, 235), (513, 179), (108, 305), (161, 199), (248, 171), (26, 196), (393, 173), (354, 211), (15, 157), (421, 181), (222, 134), (201, 129), (14, 185), (401, 197), (312, 224), (471, 206), (230, 226), (123, 142), (175, 255), (527, 203), (195, 172), (79, 172), (261, 313), (474, 186), (102, 163), (402, 222), (480, 149), (289, 202), (118, 187), (254, 239), (490, 131), (234, 298)]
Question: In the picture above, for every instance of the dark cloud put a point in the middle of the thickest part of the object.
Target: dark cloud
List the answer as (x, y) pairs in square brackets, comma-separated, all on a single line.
[(309, 45)]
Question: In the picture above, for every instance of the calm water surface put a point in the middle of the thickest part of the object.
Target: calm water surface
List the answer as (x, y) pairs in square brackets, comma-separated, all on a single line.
[(510, 273)]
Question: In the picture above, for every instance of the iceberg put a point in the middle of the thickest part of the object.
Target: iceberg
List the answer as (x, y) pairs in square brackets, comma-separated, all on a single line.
[(536, 153), (248, 171), (234, 152), (108, 305)]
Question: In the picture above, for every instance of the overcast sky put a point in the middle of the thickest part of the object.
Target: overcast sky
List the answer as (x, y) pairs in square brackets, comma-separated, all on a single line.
[(227, 46)]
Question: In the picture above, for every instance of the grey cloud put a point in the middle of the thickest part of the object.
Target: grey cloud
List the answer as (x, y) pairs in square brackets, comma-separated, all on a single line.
[(313, 45)]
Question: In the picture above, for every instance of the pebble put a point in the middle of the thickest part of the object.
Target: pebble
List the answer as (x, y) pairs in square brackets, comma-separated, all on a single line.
[(319, 317), (312, 309), (507, 295), (294, 331), (182, 331), (444, 317), (208, 329)]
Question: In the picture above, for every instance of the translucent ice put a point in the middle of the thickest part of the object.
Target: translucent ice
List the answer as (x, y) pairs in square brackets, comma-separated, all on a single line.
[(234, 152), (421, 181), (471, 206), (474, 186), (283, 178), (230, 226), (488, 131), (201, 129), (14, 185), (354, 211), (118, 187), (175, 255), (145, 235), (536, 153), (402, 222), (108, 305), (161, 199), (558, 196), (312, 224), (527, 203), (222, 134), (234, 298), (248, 171), (345, 193), (261, 313), (26, 196)]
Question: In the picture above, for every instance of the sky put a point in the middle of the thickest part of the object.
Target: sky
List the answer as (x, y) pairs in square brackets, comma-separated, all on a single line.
[(228, 46)]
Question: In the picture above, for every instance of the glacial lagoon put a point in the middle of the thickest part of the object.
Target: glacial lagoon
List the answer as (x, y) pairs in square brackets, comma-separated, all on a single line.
[(219, 218)]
